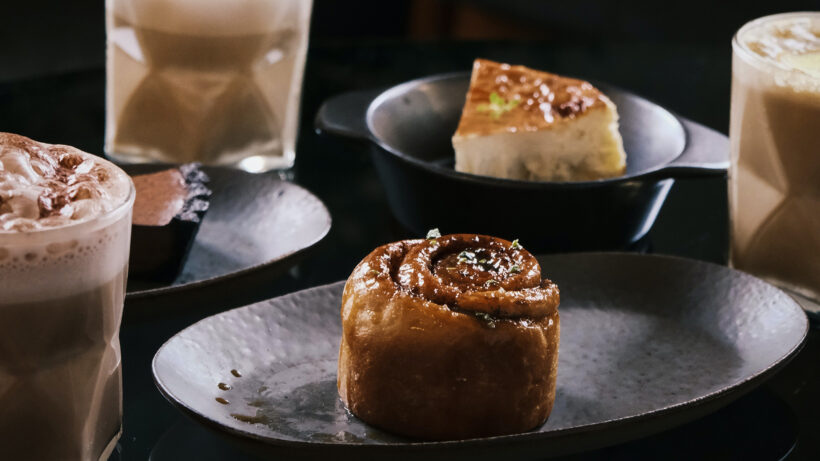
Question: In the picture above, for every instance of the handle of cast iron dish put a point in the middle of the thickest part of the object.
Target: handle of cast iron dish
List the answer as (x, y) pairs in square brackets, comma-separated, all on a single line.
[(346, 114), (706, 154)]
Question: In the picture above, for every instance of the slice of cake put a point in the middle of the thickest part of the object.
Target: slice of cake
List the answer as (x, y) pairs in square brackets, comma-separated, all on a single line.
[(169, 208), (520, 123)]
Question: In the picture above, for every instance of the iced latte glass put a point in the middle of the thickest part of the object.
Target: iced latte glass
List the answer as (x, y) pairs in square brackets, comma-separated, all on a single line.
[(774, 178), (212, 81), (65, 226)]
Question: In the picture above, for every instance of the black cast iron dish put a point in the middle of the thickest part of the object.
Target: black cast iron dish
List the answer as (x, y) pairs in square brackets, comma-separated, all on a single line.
[(257, 227), (410, 126), (647, 343)]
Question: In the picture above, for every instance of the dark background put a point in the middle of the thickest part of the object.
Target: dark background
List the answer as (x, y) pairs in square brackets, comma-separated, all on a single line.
[(52, 36)]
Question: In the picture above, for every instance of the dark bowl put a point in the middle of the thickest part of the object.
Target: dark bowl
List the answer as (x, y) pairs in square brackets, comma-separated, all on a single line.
[(410, 126)]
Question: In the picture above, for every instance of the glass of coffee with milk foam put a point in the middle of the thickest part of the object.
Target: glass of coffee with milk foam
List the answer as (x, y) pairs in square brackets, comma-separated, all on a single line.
[(210, 81), (774, 178), (65, 227)]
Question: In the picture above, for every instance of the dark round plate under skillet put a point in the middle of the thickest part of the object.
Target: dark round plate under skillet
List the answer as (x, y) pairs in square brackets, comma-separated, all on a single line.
[(410, 126), (257, 226), (647, 343)]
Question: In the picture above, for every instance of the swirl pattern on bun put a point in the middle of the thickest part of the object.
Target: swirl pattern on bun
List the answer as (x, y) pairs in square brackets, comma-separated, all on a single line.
[(450, 337)]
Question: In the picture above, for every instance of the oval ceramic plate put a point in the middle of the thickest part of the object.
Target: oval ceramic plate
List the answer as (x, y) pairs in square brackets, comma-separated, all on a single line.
[(647, 343), (257, 226)]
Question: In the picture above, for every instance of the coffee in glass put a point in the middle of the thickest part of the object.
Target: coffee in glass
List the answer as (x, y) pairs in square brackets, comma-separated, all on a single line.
[(65, 225), (208, 81), (774, 178)]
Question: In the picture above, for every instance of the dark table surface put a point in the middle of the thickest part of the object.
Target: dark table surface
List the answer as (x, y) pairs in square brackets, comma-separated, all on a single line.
[(777, 420)]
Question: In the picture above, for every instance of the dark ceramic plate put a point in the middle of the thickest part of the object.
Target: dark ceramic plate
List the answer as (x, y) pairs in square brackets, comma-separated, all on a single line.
[(257, 227), (647, 343)]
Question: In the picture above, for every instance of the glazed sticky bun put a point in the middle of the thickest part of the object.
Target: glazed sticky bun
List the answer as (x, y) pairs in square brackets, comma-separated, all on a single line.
[(450, 337)]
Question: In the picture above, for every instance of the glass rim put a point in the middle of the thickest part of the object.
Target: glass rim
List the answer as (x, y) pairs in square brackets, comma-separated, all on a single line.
[(89, 225), (742, 51)]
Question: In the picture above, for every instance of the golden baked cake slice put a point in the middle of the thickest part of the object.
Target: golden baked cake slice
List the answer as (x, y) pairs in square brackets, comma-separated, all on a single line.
[(520, 123)]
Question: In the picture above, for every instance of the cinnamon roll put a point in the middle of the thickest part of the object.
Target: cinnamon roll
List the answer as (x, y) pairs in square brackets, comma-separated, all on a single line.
[(449, 337)]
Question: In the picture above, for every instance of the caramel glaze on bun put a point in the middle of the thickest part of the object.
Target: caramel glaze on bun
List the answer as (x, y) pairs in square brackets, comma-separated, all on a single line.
[(448, 338)]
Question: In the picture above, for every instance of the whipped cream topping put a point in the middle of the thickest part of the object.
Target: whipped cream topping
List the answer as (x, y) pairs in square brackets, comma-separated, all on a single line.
[(45, 186)]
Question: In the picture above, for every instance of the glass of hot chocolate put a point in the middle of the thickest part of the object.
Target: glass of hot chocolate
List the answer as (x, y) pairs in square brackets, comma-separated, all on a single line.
[(774, 178), (211, 81), (65, 227)]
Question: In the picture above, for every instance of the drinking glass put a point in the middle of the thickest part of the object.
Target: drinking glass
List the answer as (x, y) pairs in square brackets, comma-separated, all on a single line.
[(210, 81), (774, 177), (61, 300)]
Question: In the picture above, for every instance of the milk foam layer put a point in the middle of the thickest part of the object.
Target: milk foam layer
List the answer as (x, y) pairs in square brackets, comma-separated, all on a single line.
[(44, 186), (212, 17), (788, 42), (68, 263), (82, 240)]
